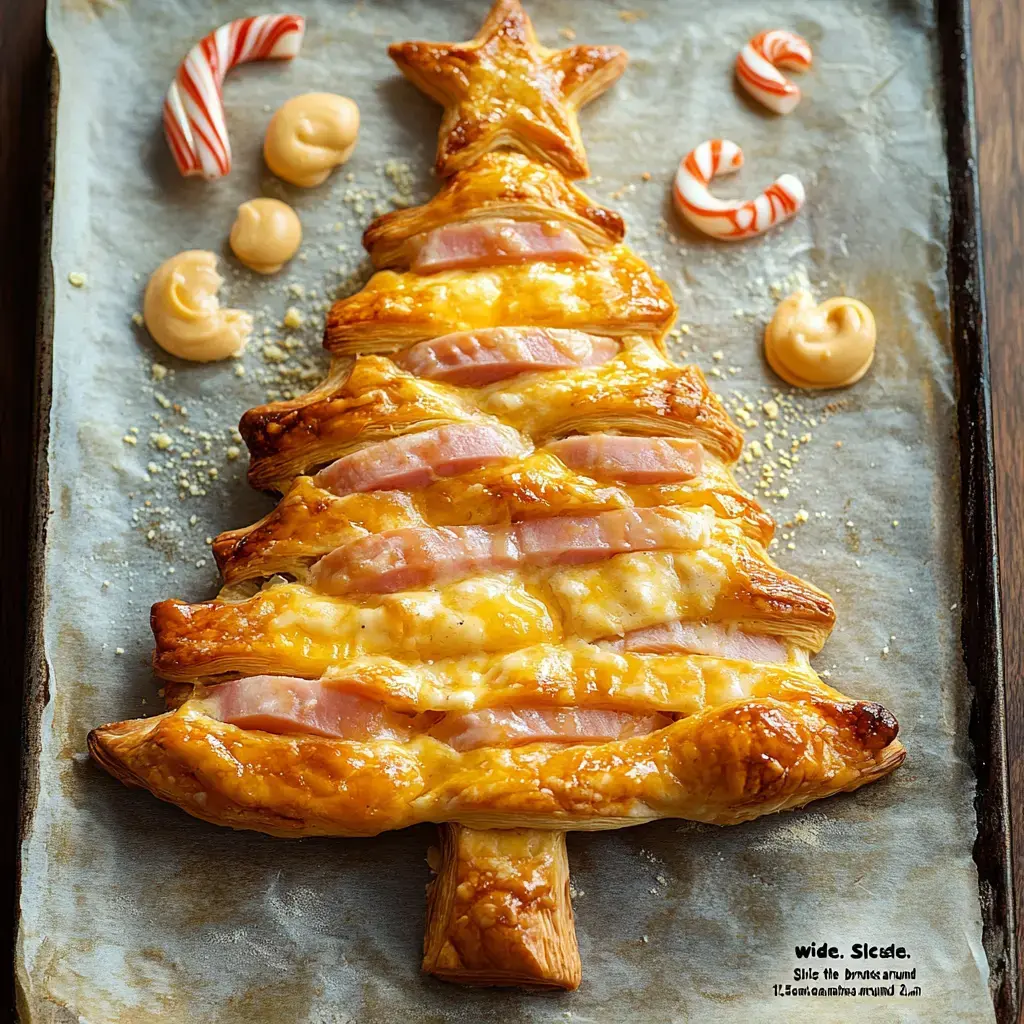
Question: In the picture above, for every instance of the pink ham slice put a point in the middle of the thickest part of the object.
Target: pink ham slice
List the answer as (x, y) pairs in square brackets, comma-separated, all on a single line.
[(701, 638), (403, 559), (467, 245), (415, 460), (476, 358), (316, 707), (631, 460), (510, 727), (285, 704)]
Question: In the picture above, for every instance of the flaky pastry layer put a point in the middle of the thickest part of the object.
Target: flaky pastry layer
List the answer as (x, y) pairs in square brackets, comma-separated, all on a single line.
[(638, 392), (613, 293), (291, 629), (502, 89), (569, 674), (499, 185), (309, 521), (725, 766), (499, 913)]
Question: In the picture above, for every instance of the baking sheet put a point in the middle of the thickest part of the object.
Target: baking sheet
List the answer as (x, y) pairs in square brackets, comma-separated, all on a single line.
[(133, 912)]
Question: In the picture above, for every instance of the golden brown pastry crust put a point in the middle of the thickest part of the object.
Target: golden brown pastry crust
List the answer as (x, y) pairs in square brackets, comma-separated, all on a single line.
[(501, 184), (747, 737), (309, 521), (549, 675), (291, 629), (612, 293), (503, 89), (499, 911), (638, 392), (727, 765)]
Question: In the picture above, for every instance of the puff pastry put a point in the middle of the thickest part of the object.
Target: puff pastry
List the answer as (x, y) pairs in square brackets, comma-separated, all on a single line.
[(613, 292), (640, 391), (502, 184), (511, 586), (503, 89)]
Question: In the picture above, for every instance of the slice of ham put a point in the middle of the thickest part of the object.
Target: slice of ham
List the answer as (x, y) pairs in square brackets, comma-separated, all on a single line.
[(482, 357), (415, 460), (467, 245), (384, 563), (511, 727), (285, 704), (701, 638), (318, 707), (631, 460)]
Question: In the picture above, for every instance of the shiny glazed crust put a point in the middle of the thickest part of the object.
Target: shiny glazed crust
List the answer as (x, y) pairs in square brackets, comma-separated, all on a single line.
[(613, 293), (290, 629), (727, 765), (501, 184), (639, 392), (309, 521), (503, 89), (499, 912)]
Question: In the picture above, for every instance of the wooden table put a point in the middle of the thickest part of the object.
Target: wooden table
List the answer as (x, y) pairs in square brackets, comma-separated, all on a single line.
[(999, 76), (999, 85)]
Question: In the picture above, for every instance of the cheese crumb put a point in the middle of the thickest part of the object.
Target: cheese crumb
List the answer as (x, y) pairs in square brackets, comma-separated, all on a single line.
[(293, 317), (77, 278)]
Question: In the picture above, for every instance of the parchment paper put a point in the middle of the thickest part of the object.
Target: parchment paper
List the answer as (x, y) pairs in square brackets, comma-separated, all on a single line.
[(133, 912)]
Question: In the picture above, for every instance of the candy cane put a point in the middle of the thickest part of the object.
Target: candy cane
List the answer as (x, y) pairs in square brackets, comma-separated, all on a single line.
[(721, 218), (757, 63), (194, 107)]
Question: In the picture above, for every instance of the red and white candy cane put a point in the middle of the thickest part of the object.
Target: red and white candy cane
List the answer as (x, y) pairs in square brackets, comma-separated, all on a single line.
[(730, 220), (758, 63), (194, 107)]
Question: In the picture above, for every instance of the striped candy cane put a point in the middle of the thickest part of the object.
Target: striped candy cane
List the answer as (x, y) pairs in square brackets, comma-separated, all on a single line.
[(194, 107), (730, 220), (757, 64)]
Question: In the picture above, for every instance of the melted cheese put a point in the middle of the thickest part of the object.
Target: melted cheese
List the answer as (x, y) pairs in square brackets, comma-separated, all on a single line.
[(637, 590), (489, 613)]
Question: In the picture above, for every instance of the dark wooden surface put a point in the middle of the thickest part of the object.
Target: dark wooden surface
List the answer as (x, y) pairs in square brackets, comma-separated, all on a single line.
[(999, 86), (23, 106), (999, 77)]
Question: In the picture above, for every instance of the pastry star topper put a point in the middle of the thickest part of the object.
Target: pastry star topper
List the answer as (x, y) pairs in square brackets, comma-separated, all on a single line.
[(503, 89)]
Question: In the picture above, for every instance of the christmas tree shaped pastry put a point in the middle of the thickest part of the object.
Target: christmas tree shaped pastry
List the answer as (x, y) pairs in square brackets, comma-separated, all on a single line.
[(511, 585)]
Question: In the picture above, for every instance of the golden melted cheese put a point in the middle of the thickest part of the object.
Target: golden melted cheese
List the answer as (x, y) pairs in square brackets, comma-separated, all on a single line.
[(637, 590), (488, 613), (613, 292)]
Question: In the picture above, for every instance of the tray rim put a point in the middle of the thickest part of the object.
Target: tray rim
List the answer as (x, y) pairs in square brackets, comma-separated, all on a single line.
[(981, 637)]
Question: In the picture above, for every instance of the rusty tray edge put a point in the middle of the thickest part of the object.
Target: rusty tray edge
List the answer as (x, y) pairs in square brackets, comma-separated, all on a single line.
[(981, 633)]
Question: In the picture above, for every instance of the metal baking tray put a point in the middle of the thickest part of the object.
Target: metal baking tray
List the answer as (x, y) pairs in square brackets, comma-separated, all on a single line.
[(981, 639)]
